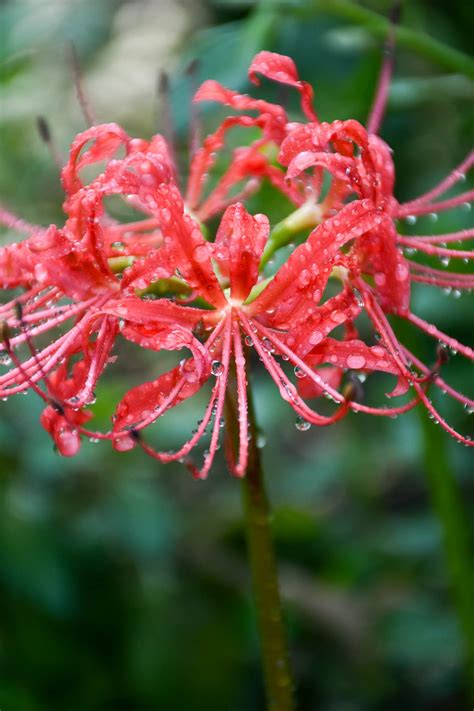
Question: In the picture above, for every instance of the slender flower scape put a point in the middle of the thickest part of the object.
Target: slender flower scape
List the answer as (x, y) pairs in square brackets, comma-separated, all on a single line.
[(158, 282)]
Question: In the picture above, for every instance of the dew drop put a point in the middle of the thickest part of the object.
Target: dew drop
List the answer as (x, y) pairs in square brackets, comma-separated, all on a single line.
[(304, 278), (411, 219), (201, 254), (315, 338), (301, 424), (268, 345), (299, 373), (217, 368), (355, 361)]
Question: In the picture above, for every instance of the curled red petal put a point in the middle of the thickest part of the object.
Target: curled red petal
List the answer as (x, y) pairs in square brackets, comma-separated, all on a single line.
[(282, 69), (144, 401), (107, 138)]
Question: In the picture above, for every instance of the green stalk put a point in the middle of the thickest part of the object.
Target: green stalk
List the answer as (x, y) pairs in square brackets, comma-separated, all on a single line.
[(419, 42), (307, 216), (276, 664), (448, 505)]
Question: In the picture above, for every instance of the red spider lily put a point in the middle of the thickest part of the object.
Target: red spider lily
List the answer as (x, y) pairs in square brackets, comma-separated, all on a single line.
[(280, 320), (364, 163), (67, 274), (74, 264), (249, 162)]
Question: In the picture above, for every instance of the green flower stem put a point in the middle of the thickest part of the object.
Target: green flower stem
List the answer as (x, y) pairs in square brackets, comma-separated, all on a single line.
[(458, 552), (307, 216), (276, 664), (419, 42), (379, 26)]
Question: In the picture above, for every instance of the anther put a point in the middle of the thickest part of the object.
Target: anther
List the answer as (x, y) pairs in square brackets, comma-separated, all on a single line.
[(353, 390), (442, 354), (46, 136), (5, 334), (57, 407), (43, 129), (18, 309), (199, 331)]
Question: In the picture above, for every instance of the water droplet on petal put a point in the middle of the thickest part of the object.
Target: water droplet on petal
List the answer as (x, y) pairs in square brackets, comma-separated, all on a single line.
[(201, 254), (301, 424), (355, 361), (315, 338)]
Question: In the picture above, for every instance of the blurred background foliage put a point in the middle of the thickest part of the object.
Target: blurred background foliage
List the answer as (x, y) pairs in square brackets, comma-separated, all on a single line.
[(124, 584)]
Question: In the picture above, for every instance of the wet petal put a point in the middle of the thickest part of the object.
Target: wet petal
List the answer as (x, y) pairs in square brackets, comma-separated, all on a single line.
[(238, 248)]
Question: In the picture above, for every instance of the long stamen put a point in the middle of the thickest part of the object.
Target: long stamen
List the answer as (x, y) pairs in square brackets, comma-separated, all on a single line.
[(296, 361), (194, 113), (439, 382), (219, 410), (287, 389), (44, 396), (200, 431), (86, 109), (241, 465), (434, 332), (408, 209), (454, 177), (166, 122), (381, 94), (381, 324), (461, 236), (428, 248)]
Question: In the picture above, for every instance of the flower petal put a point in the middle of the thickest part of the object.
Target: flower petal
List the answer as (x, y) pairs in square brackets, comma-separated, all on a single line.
[(238, 248), (297, 287), (282, 69)]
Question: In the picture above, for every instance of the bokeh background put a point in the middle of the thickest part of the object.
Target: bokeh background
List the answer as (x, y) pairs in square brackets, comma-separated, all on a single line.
[(124, 584)]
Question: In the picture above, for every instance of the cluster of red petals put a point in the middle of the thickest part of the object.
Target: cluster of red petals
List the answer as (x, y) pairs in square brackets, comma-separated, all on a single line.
[(91, 282)]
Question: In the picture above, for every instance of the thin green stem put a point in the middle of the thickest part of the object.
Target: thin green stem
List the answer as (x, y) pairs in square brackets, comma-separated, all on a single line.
[(276, 664), (376, 24), (419, 42), (306, 216), (448, 505)]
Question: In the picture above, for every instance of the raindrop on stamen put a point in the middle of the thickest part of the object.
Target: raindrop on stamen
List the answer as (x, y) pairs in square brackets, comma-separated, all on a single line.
[(299, 373), (217, 368)]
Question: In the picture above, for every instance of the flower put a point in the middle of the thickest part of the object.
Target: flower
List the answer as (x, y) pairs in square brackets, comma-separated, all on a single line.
[(279, 321), (98, 274), (380, 269), (69, 274)]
